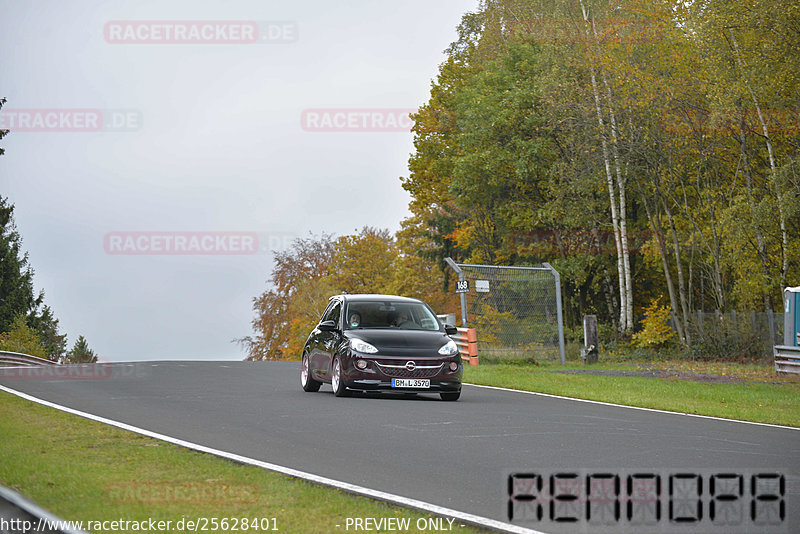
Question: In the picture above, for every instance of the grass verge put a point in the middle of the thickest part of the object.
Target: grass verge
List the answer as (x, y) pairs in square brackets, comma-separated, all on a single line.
[(82, 470), (735, 391)]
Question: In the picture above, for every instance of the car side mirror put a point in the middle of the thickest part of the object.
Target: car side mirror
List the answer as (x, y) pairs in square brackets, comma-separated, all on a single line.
[(450, 330), (327, 326)]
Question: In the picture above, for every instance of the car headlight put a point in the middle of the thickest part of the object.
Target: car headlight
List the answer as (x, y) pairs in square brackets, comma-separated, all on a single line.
[(359, 345), (449, 349)]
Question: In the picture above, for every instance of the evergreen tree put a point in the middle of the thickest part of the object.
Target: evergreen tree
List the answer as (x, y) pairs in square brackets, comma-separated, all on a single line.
[(17, 295), (81, 353), (46, 326), (16, 275)]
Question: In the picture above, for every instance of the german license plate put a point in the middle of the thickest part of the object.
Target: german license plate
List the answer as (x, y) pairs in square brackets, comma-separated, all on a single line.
[(411, 383)]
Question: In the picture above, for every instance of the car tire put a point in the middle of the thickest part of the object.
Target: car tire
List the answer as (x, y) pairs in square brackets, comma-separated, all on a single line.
[(337, 383), (308, 383), (450, 395)]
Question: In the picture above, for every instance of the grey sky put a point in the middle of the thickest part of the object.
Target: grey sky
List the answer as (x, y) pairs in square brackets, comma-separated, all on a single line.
[(213, 143)]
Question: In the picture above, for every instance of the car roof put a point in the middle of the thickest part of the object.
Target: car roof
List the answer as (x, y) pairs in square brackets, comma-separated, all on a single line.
[(370, 296)]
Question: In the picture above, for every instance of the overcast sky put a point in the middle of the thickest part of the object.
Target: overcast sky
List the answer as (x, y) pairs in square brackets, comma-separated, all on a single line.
[(154, 165)]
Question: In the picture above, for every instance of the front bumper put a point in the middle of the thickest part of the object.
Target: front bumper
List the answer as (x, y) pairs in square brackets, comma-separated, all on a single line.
[(386, 385), (381, 370)]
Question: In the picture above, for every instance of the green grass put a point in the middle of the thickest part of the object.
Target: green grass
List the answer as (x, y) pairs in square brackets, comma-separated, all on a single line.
[(764, 397), (84, 470)]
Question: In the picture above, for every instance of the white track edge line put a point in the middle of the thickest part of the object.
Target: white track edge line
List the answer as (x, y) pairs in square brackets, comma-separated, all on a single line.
[(633, 407), (344, 486)]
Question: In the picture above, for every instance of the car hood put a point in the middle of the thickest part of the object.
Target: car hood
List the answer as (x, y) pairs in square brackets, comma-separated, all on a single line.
[(390, 340)]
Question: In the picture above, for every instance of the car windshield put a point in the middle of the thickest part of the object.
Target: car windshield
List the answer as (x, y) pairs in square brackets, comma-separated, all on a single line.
[(396, 315)]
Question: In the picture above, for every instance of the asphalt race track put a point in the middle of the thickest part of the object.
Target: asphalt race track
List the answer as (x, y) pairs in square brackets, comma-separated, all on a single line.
[(453, 454)]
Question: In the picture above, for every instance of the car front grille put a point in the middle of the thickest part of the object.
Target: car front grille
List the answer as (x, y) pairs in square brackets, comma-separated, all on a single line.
[(400, 371)]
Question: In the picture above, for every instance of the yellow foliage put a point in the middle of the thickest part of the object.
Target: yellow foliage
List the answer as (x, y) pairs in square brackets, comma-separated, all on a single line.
[(489, 321), (655, 330), (22, 338)]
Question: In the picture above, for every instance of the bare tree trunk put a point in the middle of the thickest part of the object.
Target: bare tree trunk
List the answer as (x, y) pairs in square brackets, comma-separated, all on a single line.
[(623, 316), (607, 290), (712, 245), (679, 268), (659, 235), (621, 181), (777, 191), (761, 247), (623, 225)]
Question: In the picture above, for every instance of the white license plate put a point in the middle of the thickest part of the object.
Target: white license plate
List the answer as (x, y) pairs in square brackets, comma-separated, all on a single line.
[(411, 383)]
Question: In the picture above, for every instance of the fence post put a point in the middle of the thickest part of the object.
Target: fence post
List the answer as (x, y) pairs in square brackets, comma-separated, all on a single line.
[(463, 296), (559, 313), (771, 319), (590, 340)]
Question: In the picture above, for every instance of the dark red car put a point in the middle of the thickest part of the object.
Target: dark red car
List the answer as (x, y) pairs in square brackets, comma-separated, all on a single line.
[(381, 342)]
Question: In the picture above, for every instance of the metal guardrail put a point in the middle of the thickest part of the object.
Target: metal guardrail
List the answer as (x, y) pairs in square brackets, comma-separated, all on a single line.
[(19, 515), (18, 359), (787, 359)]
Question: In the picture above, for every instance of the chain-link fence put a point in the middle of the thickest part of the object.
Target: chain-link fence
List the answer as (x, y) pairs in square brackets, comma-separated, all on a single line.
[(515, 310)]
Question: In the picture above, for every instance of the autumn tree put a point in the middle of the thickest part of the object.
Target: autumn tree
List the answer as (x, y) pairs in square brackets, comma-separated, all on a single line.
[(316, 268), (21, 338), (684, 116)]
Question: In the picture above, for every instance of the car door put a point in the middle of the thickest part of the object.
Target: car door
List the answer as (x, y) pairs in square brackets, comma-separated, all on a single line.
[(325, 341), (329, 339)]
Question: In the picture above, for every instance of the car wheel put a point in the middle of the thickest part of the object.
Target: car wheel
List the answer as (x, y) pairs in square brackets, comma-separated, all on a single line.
[(308, 383), (450, 395), (339, 388)]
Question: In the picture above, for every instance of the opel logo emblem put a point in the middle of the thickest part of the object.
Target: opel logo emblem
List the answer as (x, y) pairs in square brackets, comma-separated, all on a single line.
[(410, 366)]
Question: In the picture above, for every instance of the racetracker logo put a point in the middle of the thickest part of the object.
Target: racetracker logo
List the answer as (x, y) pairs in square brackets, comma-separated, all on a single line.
[(83, 371), (181, 243), (200, 32), (70, 120), (611, 30), (154, 493), (357, 120), (779, 121), (196, 243), (575, 242)]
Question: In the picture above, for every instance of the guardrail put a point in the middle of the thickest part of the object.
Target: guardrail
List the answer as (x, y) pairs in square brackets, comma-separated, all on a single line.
[(467, 341), (18, 514), (787, 359), (18, 359)]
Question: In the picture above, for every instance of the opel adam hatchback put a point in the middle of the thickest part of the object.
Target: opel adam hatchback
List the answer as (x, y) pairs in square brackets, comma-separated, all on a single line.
[(381, 343)]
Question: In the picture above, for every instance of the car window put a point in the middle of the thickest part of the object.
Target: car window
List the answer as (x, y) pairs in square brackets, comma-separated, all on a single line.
[(333, 313), (387, 314)]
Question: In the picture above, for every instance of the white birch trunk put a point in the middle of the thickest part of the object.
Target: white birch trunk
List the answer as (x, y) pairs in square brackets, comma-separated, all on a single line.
[(623, 315)]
